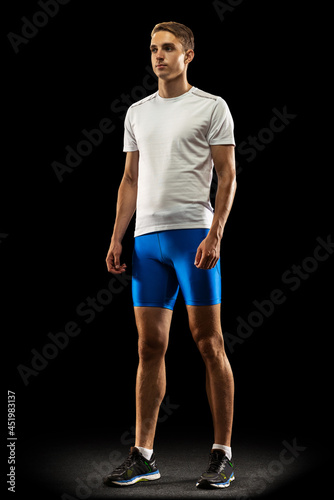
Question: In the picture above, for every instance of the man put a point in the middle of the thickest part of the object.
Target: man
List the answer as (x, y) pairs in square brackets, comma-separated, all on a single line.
[(172, 138)]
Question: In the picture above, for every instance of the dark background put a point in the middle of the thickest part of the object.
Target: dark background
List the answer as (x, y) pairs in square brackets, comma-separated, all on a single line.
[(55, 235)]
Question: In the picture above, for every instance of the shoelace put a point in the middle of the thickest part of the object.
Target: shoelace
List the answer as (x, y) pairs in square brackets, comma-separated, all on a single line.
[(216, 464), (127, 462)]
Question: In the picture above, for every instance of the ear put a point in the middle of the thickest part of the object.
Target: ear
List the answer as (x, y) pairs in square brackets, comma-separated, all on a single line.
[(189, 56)]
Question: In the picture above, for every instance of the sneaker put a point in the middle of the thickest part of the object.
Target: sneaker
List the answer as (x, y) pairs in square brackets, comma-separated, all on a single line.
[(134, 469), (219, 473)]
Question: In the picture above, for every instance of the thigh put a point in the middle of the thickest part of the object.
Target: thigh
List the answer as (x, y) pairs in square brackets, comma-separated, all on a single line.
[(205, 322), (153, 325), (154, 283), (200, 287)]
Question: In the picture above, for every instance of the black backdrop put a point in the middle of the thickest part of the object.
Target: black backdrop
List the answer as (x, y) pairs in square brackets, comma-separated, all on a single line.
[(78, 70)]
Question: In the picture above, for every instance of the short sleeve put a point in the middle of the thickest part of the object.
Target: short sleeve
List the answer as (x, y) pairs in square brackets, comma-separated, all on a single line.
[(221, 126), (130, 143)]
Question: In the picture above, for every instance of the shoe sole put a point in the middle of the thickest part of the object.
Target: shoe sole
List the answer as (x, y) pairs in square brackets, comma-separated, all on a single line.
[(208, 485), (151, 476)]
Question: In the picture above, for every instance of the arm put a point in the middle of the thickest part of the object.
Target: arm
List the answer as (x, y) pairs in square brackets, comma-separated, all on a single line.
[(126, 206), (208, 251)]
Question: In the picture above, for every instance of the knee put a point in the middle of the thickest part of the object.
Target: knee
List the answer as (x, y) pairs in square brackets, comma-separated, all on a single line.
[(151, 349), (211, 346)]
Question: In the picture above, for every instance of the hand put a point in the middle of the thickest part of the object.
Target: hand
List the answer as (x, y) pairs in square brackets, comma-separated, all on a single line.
[(208, 253), (113, 258)]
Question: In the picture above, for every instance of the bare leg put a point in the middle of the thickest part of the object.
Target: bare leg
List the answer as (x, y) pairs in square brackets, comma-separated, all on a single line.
[(153, 324), (205, 326)]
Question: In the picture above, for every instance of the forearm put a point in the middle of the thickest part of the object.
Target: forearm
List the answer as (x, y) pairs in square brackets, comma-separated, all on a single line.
[(126, 206), (223, 203)]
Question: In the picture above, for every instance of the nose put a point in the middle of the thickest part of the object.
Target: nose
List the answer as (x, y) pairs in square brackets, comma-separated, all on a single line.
[(159, 57)]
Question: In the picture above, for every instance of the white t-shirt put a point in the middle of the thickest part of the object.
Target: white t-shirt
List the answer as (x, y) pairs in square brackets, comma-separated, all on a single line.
[(173, 137)]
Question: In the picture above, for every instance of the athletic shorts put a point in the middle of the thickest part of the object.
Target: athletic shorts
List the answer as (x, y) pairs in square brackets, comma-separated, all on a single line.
[(163, 262)]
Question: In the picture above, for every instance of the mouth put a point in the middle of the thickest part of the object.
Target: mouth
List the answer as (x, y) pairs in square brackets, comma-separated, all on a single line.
[(160, 66)]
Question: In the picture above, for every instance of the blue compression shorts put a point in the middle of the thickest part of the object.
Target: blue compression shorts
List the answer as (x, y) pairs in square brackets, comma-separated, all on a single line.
[(163, 262)]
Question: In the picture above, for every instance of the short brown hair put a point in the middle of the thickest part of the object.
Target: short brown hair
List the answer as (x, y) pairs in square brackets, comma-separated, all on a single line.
[(182, 32)]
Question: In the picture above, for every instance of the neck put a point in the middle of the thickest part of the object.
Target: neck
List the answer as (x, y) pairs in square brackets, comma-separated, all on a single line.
[(173, 88)]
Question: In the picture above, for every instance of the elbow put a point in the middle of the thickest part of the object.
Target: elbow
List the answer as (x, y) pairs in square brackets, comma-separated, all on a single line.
[(130, 180), (229, 180), (232, 180), (234, 183)]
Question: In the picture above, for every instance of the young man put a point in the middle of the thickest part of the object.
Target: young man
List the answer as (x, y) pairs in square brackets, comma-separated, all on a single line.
[(172, 138)]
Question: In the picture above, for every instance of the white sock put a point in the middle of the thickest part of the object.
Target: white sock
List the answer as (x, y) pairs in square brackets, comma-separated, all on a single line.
[(145, 452), (227, 449)]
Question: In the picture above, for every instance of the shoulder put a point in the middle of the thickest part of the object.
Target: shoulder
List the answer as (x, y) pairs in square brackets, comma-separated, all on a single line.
[(204, 95), (216, 101), (144, 101)]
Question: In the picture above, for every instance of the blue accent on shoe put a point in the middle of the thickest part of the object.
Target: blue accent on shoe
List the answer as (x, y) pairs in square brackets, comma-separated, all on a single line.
[(140, 475), (228, 481)]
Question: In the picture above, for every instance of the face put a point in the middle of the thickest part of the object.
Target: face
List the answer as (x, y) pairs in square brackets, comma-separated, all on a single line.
[(169, 60)]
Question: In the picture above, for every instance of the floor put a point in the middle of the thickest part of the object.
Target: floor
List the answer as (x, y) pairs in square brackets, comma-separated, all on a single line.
[(71, 467)]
